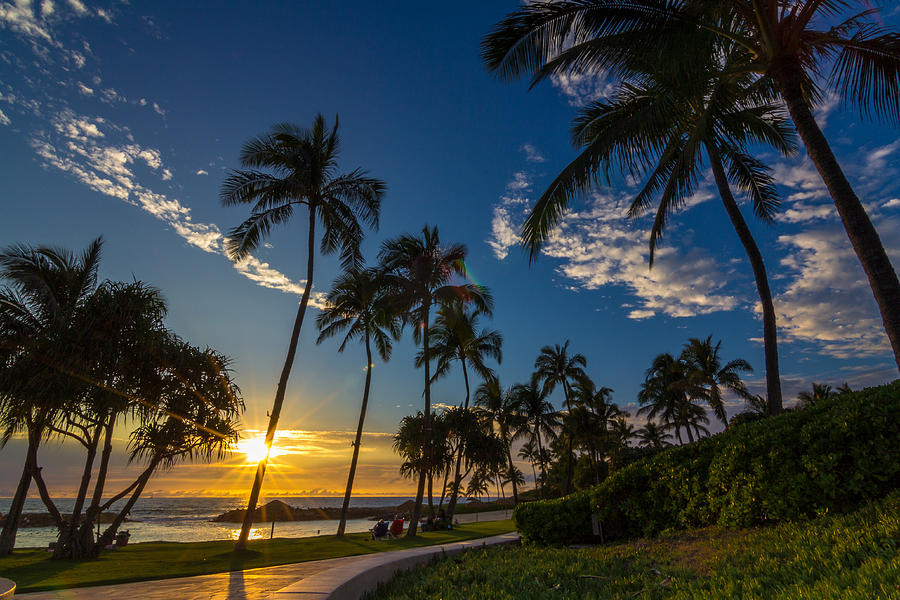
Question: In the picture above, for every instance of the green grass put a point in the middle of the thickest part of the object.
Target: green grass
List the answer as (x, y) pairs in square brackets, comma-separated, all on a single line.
[(853, 556), (34, 570)]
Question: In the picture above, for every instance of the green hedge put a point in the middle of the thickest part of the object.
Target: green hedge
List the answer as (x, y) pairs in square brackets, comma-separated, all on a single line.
[(804, 463)]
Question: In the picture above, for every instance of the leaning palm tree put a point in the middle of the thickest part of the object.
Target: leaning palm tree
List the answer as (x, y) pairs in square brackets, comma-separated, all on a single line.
[(553, 367), (540, 419), (788, 44), (419, 271), (286, 169), (358, 304), (456, 337), (707, 376), (46, 289)]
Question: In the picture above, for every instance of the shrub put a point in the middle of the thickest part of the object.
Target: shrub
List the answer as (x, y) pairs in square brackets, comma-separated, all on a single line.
[(824, 458)]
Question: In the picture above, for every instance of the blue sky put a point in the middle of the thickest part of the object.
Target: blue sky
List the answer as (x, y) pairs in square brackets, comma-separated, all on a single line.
[(121, 119)]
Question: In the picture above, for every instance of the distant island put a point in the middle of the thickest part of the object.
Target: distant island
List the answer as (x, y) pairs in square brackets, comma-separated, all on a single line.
[(276, 510)]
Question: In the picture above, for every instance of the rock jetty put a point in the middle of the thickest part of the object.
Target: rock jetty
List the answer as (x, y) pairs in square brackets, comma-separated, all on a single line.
[(276, 510)]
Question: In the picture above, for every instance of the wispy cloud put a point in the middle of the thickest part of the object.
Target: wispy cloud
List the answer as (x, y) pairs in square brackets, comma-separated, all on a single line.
[(96, 151)]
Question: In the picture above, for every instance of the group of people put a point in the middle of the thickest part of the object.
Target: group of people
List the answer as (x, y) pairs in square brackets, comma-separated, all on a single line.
[(392, 529)]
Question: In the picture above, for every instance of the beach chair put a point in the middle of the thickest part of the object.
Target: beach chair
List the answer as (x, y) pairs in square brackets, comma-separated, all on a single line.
[(380, 531)]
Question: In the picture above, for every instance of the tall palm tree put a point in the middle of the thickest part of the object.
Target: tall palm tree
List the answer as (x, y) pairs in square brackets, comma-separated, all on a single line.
[(420, 271), (553, 367), (529, 452), (358, 304), (45, 291), (455, 337), (501, 408), (288, 168), (707, 375), (789, 44), (539, 418)]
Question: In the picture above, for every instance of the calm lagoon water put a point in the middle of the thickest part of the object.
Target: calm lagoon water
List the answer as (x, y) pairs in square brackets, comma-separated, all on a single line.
[(187, 519)]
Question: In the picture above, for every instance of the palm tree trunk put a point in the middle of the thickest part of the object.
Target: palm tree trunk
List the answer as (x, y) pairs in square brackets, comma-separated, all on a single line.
[(770, 337), (512, 475), (11, 524), (426, 428), (537, 434), (359, 430), (67, 536), (282, 385), (87, 527), (863, 236), (454, 494), (570, 467)]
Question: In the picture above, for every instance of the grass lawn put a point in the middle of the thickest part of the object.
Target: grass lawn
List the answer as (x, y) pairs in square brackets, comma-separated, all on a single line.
[(33, 570), (853, 556)]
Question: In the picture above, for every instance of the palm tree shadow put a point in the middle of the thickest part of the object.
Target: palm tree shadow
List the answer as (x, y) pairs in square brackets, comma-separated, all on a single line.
[(236, 589)]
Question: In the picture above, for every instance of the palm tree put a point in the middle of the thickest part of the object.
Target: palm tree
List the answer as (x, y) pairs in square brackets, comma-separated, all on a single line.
[(598, 411), (555, 367), (285, 169), (455, 337), (529, 452), (539, 418), (821, 392), (707, 375), (419, 271), (500, 408), (46, 289), (358, 304), (664, 394), (786, 44), (653, 435)]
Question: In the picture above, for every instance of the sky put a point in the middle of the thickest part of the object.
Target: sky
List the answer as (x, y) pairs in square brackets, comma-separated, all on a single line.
[(122, 120)]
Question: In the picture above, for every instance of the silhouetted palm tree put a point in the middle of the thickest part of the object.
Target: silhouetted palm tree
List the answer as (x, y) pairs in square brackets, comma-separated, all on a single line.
[(288, 168), (455, 337), (820, 392), (788, 44), (540, 418), (653, 435), (664, 394), (707, 375), (501, 408), (420, 272), (555, 367), (359, 304)]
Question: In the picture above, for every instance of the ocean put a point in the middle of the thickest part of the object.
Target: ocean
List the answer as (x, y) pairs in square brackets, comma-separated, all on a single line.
[(187, 519)]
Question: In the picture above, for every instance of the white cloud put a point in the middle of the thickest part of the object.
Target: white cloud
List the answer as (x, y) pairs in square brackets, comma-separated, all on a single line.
[(828, 301), (158, 110), (892, 203), (260, 272), (78, 6), (509, 214), (20, 17), (4, 120), (581, 89), (201, 172), (532, 154), (85, 89)]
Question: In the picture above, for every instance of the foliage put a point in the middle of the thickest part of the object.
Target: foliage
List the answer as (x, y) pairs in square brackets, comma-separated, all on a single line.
[(556, 521), (842, 557), (826, 458)]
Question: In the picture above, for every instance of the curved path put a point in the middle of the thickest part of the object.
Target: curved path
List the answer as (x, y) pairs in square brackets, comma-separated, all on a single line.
[(250, 584)]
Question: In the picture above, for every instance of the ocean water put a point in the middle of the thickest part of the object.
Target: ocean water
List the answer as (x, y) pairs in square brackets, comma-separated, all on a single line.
[(188, 519)]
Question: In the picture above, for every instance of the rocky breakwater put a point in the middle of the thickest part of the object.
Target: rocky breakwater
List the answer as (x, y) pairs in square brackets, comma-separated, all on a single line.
[(276, 510)]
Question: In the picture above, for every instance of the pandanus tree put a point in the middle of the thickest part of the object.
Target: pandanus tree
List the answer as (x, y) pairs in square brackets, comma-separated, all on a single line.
[(358, 306), (540, 420), (45, 291), (553, 367), (500, 408), (289, 169), (806, 49), (456, 338), (420, 272)]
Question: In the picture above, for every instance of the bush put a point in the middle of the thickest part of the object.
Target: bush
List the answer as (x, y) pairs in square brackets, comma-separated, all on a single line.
[(558, 521), (824, 458)]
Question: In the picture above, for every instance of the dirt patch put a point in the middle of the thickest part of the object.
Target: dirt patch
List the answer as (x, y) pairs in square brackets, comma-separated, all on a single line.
[(693, 549)]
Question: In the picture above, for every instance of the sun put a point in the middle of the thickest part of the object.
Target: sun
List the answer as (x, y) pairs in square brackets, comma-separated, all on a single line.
[(254, 449)]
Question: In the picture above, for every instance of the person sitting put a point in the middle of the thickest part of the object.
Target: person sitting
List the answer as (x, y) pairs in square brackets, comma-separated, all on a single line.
[(397, 526), (380, 530), (441, 521)]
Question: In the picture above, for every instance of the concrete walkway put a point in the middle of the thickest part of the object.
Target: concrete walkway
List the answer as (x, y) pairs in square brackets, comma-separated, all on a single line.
[(263, 583)]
